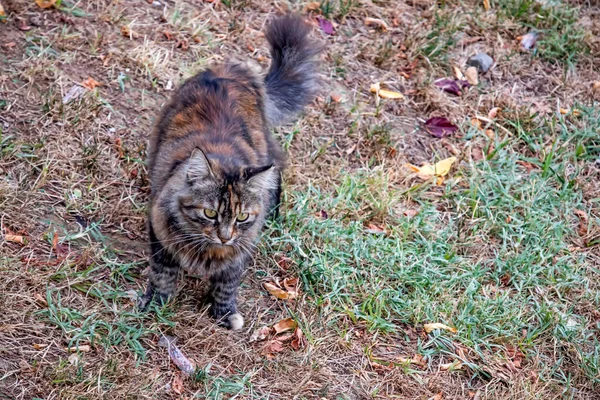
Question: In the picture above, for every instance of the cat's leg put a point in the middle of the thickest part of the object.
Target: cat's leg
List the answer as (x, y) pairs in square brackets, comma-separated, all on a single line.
[(223, 293), (164, 271)]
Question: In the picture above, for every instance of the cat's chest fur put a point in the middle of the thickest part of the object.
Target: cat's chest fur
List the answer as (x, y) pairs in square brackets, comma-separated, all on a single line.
[(206, 263)]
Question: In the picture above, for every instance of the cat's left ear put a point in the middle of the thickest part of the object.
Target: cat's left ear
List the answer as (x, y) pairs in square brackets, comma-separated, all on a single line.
[(199, 166), (262, 178)]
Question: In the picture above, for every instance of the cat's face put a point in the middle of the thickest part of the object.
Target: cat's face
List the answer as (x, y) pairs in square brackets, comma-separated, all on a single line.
[(218, 209)]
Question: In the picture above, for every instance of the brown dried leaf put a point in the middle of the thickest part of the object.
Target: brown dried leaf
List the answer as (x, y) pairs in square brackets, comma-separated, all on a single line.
[(291, 285), (335, 97), (453, 366), (271, 347), (177, 384), (376, 23), (486, 5), (312, 6), (278, 292), (472, 76), (583, 222), (260, 334), (83, 348), (90, 83), (375, 229), (45, 3), (438, 396), (299, 340), (493, 113), (20, 239), (285, 325), (39, 346), (432, 327)]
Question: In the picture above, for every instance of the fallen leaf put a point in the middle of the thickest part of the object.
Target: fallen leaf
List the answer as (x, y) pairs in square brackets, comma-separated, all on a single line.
[(39, 346), (90, 83), (260, 334), (20, 239), (449, 85), (298, 341), (178, 358), (271, 347), (440, 127), (9, 45), (375, 229), (438, 396), (312, 6), (472, 76), (2, 12), (285, 325), (528, 41), (439, 169), (583, 222), (177, 384), (458, 73), (376, 23), (336, 97), (40, 300), (291, 285), (493, 113), (490, 134), (563, 111), (596, 85), (74, 359), (127, 32), (168, 35), (410, 213), (45, 3), (486, 5), (384, 93), (453, 366), (284, 262), (432, 327), (83, 348), (326, 26), (278, 292), (23, 25)]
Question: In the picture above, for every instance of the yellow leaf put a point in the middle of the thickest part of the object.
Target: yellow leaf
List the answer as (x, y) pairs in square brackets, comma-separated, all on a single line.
[(486, 5), (284, 325), (432, 327), (385, 94), (15, 238), (45, 3), (278, 292), (2, 12), (388, 94), (439, 169), (90, 83), (458, 73)]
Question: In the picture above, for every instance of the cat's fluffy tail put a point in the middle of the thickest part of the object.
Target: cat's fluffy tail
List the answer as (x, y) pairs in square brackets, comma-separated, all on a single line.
[(292, 80)]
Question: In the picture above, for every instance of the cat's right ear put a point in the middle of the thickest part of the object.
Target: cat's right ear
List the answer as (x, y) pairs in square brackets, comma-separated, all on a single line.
[(199, 166)]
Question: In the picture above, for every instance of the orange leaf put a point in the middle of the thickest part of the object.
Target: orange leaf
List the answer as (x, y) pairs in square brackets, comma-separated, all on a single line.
[(277, 292), (15, 238), (376, 23), (177, 384), (298, 340), (45, 3), (90, 83), (291, 285), (284, 325)]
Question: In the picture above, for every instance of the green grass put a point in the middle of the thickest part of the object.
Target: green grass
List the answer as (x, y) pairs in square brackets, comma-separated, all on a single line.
[(493, 257), (562, 37)]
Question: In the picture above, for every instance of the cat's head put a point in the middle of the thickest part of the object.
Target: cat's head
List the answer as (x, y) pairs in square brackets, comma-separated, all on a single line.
[(219, 205)]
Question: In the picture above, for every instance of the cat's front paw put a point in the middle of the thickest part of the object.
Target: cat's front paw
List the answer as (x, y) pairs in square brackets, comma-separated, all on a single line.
[(227, 319), (143, 302)]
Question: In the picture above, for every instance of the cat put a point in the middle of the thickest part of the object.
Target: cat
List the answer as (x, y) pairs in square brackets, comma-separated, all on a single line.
[(215, 169)]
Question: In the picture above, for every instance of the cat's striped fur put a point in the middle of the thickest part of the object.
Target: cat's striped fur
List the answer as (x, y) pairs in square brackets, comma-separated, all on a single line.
[(215, 168)]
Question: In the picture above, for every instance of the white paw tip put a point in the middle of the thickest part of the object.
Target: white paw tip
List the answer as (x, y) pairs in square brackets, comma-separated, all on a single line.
[(236, 321)]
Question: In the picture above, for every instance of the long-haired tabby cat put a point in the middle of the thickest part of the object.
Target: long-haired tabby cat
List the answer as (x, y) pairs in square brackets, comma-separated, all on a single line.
[(215, 169)]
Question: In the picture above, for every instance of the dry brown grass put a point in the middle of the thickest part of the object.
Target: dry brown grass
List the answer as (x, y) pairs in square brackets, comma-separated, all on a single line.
[(78, 170)]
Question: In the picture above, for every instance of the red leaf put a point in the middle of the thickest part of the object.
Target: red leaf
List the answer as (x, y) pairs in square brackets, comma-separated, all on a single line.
[(440, 127), (449, 85), (326, 26)]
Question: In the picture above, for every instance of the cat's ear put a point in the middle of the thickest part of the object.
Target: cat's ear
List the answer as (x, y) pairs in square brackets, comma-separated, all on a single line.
[(199, 166), (263, 178)]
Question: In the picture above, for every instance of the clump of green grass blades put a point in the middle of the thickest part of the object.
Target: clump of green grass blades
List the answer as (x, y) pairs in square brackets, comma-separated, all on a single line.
[(492, 258)]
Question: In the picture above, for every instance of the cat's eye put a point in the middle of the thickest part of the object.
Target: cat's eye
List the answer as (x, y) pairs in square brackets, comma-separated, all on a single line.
[(212, 214), (242, 217)]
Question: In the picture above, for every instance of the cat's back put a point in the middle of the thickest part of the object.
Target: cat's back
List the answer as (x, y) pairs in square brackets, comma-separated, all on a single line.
[(221, 111)]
